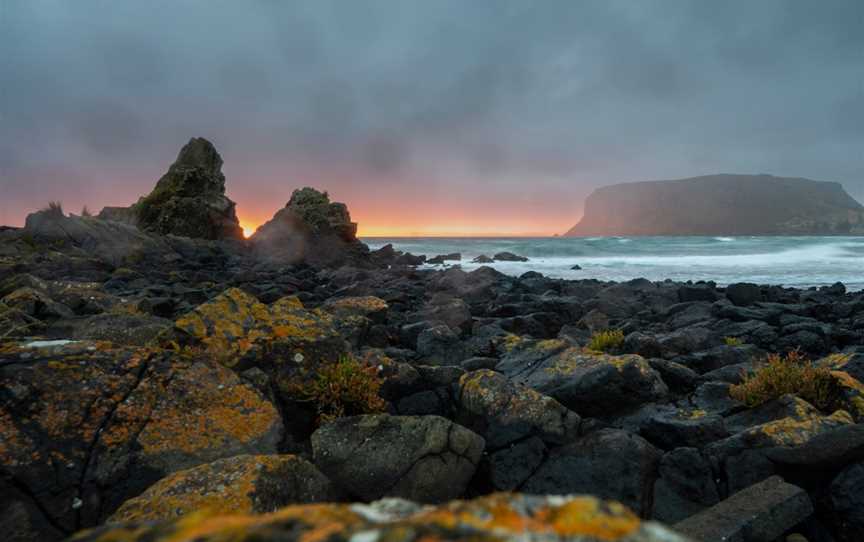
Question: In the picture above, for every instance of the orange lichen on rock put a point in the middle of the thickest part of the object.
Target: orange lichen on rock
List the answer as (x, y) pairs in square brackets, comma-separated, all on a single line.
[(234, 325), (500, 516), (245, 484)]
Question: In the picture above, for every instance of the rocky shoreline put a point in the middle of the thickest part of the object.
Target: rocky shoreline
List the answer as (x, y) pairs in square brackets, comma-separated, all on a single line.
[(152, 382)]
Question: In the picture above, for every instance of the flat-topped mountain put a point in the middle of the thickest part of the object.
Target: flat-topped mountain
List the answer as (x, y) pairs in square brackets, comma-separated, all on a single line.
[(721, 205)]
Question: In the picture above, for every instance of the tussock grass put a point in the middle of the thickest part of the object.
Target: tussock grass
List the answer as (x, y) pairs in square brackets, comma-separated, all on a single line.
[(732, 341), (793, 373), (54, 208), (346, 387), (606, 340)]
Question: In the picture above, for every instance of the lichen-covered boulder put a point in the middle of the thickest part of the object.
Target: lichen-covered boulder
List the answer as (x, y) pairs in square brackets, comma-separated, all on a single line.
[(503, 517), (242, 332), (503, 412), (789, 431), (189, 200), (244, 484), (85, 426), (422, 458), (312, 229), (589, 383), (354, 316)]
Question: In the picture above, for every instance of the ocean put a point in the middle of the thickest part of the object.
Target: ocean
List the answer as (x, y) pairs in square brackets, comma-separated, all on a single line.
[(788, 261)]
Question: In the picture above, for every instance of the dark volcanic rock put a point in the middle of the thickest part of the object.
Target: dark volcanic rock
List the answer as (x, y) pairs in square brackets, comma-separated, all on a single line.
[(589, 383), (190, 199), (760, 513), (503, 412), (424, 458), (310, 229), (509, 257), (609, 463)]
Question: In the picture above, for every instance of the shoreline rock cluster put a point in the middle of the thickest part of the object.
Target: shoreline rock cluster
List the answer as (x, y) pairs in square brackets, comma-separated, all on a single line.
[(164, 394)]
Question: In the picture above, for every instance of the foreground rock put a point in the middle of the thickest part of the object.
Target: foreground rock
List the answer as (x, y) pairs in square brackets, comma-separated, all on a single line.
[(87, 426), (760, 513), (244, 484), (502, 517), (422, 458), (189, 200)]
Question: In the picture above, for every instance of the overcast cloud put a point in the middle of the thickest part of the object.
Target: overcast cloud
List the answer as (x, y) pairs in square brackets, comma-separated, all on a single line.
[(526, 104)]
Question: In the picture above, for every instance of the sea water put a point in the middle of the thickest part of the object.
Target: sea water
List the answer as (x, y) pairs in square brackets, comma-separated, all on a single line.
[(788, 261)]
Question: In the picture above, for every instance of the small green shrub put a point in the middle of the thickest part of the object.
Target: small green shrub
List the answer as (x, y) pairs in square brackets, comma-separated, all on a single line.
[(85, 212), (793, 373), (347, 387), (732, 341), (606, 340)]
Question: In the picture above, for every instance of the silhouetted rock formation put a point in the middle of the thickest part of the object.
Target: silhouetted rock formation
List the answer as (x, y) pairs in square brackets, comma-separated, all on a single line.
[(312, 229), (189, 200), (721, 205)]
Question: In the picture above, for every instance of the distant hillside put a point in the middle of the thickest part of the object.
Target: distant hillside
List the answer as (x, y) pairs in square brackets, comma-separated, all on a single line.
[(721, 205)]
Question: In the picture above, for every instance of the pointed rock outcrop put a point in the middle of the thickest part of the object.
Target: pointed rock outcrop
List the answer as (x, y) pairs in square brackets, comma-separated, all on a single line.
[(189, 200)]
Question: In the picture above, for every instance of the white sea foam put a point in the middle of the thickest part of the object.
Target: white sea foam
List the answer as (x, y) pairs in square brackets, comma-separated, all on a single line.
[(790, 261)]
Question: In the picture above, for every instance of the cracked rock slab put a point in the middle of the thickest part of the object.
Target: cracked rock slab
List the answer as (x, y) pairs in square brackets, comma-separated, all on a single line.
[(86, 426), (421, 458)]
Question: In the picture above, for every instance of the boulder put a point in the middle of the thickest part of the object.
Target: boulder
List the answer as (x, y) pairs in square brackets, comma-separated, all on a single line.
[(743, 294), (442, 258), (847, 502), (86, 426), (244, 484), (503, 412), (484, 259), (685, 487), (760, 513), (609, 463), (423, 458), (591, 384), (189, 200), (509, 257), (241, 332), (684, 428), (504, 517), (312, 229), (444, 308), (440, 345)]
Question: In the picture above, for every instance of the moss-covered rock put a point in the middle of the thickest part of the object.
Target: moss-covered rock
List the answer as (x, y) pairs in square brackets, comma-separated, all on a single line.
[(189, 200), (587, 382), (85, 425), (242, 332), (497, 517), (244, 484), (503, 412)]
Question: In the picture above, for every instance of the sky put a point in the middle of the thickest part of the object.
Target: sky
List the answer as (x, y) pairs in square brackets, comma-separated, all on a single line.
[(484, 117)]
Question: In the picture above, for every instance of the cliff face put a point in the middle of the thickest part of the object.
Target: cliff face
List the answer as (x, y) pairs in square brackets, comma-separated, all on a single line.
[(721, 205)]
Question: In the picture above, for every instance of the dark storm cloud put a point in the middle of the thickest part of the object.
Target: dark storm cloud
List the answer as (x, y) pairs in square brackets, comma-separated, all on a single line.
[(557, 95)]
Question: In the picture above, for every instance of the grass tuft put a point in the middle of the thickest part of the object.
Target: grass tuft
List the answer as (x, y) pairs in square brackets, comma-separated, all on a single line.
[(347, 387), (793, 373), (732, 341), (606, 340), (54, 208)]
